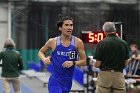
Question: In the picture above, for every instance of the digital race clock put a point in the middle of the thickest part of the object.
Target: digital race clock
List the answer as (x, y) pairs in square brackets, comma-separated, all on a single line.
[(93, 37)]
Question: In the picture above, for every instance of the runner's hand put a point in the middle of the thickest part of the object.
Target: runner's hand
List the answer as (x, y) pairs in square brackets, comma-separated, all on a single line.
[(46, 60), (67, 64)]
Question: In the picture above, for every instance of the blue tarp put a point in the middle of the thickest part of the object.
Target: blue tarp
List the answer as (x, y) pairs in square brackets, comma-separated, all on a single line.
[(78, 73)]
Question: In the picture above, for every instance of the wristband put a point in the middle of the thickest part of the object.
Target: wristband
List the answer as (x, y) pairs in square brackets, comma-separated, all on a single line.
[(74, 63)]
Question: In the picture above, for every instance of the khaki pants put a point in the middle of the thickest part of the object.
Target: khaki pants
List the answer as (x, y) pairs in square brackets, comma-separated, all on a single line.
[(110, 82), (14, 81)]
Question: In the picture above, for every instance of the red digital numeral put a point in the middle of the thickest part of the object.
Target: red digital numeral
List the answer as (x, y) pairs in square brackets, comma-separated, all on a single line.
[(91, 37), (95, 37), (100, 36)]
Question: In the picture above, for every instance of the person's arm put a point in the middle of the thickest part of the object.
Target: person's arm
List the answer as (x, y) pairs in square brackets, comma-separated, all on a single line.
[(98, 56), (42, 51), (0, 59), (20, 65), (97, 63), (81, 51), (137, 57), (127, 59), (127, 62)]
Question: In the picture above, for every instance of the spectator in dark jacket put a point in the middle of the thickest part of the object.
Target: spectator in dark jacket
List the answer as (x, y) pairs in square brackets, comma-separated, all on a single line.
[(11, 66)]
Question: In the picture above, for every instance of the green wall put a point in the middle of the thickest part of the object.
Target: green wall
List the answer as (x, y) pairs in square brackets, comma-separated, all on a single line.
[(29, 55)]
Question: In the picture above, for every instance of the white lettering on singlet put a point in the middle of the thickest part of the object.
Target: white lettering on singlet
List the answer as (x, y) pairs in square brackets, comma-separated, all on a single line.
[(70, 54)]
